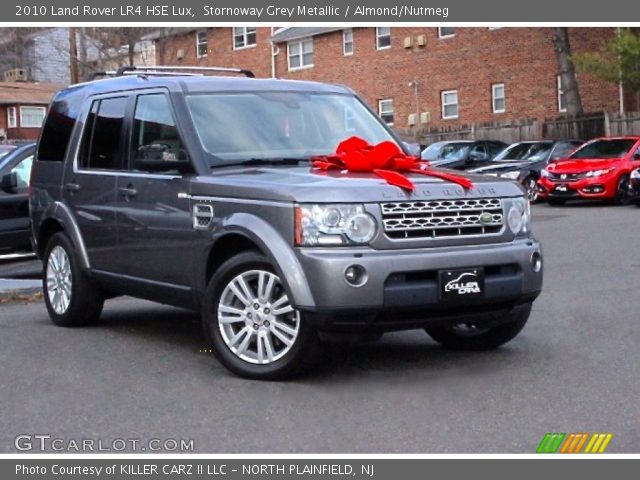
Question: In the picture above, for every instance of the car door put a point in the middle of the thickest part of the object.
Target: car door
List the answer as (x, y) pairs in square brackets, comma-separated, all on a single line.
[(155, 229), (89, 186), (14, 200)]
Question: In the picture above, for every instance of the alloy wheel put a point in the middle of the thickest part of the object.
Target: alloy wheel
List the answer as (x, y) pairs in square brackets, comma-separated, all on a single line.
[(59, 280), (256, 320)]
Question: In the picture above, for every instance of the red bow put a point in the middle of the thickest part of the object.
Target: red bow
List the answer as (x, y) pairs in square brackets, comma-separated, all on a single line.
[(385, 159)]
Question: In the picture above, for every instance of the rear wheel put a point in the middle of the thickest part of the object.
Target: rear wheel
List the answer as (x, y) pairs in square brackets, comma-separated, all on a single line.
[(250, 322), (70, 297), (467, 336)]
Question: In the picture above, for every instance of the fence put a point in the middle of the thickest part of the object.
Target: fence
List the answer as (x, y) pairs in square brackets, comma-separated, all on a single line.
[(584, 127)]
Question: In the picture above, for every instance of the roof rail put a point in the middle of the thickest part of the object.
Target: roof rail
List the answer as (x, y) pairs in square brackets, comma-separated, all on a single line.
[(179, 69)]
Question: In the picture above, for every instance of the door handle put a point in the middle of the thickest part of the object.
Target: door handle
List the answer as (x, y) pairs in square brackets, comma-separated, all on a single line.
[(71, 187), (128, 191)]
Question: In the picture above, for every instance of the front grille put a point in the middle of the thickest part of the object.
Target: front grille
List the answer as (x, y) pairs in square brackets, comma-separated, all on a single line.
[(565, 177), (442, 218)]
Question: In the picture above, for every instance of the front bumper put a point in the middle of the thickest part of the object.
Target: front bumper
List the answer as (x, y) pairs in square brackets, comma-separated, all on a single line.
[(402, 288), (586, 188)]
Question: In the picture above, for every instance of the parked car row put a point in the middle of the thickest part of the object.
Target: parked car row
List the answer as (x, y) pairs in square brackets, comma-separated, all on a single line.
[(555, 170)]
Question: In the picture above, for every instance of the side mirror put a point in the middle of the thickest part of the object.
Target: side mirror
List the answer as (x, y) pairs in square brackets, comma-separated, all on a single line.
[(412, 148), (9, 182), (158, 158), (636, 156)]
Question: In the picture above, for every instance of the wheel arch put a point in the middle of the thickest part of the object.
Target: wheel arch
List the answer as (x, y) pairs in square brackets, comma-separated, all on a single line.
[(58, 218)]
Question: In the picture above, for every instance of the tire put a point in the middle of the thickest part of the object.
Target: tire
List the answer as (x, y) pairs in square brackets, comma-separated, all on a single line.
[(556, 201), (70, 297), (530, 185), (458, 338), (622, 191), (255, 342)]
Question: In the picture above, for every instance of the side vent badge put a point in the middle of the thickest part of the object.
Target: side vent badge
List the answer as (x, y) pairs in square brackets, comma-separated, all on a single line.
[(202, 216)]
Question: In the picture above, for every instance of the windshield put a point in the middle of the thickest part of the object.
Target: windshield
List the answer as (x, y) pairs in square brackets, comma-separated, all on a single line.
[(454, 151), (235, 127), (598, 149), (525, 152)]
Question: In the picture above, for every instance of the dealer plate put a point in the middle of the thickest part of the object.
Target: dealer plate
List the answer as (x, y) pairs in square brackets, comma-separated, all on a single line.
[(461, 283)]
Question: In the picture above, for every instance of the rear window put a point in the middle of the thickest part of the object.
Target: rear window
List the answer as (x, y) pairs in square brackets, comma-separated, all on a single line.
[(57, 129)]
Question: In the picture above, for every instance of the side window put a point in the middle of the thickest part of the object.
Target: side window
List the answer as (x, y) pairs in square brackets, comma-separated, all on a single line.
[(495, 148), (23, 170), (102, 141), (57, 129), (154, 132)]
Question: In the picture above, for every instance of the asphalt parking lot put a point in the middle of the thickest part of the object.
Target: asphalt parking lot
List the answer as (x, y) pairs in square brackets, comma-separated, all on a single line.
[(142, 372)]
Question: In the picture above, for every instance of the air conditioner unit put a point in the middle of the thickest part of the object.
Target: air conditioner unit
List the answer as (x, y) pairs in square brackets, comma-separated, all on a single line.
[(408, 42), (425, 117), (412, 119), (180, 53), (16, 75), (421, 40)]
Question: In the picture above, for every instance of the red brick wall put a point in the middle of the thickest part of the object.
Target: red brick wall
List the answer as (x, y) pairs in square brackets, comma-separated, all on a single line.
[(471, 61), (16, 133)]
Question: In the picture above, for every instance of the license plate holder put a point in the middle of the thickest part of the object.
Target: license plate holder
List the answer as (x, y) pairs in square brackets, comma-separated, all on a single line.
[(461, 283)]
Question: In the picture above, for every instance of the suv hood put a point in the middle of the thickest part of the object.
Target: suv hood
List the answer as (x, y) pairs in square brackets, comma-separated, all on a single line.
[(301, 184), (579, 166)]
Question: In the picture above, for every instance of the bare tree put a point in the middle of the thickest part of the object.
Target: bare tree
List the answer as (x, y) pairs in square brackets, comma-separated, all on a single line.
[(567, 71), (15, 48)]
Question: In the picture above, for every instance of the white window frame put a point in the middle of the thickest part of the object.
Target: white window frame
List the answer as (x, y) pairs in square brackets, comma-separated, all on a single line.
[(443, 94), (300, 54), (382, 112), (378, 37), (494, 97), (245, 35), (199, 43), (560, 94), (12, 117), (26, 125), (346, 32), (448, 35)]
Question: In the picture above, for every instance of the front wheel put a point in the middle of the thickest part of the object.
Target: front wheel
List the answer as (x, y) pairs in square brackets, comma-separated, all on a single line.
[(250, 322), (622, 191), (531, 186), (467, 336)]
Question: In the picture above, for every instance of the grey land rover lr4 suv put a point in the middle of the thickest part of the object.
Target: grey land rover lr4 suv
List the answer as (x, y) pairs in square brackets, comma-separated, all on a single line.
[(197, 191)]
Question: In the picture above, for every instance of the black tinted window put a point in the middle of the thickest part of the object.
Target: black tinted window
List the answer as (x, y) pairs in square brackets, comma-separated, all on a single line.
[(605, 148), (101, 145), (58, 127), (155, 136)]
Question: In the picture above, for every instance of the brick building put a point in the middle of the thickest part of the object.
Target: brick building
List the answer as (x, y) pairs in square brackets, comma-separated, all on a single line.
[(23, 106), (415, 77)]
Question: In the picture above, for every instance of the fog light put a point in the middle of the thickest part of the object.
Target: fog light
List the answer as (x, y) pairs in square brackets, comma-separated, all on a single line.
[(355, 275), (536, 261)]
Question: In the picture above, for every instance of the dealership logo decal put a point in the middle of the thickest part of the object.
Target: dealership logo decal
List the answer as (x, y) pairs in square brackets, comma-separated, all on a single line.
[(574, 443), (463, 284)]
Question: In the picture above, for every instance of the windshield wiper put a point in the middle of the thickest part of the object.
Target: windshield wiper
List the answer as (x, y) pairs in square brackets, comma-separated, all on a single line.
[(265, 161)]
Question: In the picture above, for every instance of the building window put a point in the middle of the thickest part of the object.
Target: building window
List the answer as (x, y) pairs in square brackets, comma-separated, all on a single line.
[(497, 95), (446, 32), (383, 38), (12, 120), (449, 104), (385, 110), (244, 37), (300, 54), (347, 42), (562, 106), (32, 117), (201, 43)]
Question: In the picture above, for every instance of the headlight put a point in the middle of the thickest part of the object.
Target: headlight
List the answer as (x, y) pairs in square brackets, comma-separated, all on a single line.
[(544, 173), (519, 216), (333, 225), (598, 173), (635, 174), (511, 175)]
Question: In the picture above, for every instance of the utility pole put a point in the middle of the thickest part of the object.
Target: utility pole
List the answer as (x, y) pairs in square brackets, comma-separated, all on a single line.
[(73, 55)]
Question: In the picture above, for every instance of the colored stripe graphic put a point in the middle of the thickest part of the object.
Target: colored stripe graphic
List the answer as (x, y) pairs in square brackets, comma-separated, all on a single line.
[(550, 442), (574, 443), (598, 443)]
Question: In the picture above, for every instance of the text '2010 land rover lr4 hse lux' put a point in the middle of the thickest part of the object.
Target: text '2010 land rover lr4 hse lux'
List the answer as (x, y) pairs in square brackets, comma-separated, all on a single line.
[(202, 192)]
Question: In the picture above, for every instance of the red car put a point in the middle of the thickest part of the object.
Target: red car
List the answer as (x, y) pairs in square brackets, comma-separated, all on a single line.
[(597, 170)]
